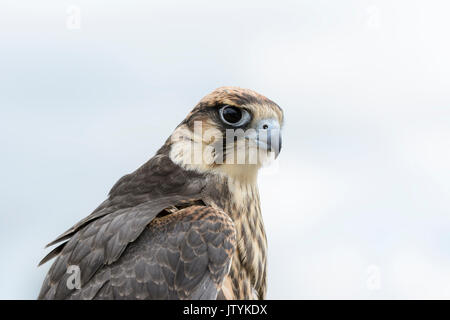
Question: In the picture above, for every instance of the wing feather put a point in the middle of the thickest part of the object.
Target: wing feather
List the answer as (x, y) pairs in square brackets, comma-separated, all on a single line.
[(184, 255), (134, 201)]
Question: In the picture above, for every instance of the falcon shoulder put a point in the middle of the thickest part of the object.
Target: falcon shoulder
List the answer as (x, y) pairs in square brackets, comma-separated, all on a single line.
[(105, 238)]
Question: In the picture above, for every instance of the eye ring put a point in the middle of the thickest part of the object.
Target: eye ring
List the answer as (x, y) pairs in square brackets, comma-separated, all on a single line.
[(234, 116)]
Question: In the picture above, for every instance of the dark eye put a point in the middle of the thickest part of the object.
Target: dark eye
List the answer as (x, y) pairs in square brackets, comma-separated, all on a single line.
[(234, 116)]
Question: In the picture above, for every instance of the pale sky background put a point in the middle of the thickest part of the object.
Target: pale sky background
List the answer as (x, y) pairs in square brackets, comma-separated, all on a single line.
[(359, 204)]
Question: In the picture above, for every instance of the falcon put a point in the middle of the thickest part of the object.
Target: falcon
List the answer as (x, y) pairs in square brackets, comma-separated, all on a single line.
[(187, 224)]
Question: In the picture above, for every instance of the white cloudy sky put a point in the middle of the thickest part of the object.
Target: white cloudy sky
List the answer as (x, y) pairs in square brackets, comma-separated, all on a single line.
[(358, 206)]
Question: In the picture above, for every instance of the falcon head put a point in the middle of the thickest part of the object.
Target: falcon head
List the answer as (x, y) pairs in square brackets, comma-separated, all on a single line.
[(231, 130)]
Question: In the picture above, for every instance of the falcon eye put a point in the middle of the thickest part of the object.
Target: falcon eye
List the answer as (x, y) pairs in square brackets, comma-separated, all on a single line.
[(231, 114), (234, 116)]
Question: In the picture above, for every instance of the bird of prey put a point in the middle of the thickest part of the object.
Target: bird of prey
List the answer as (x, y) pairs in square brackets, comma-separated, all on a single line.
[(180, 226)]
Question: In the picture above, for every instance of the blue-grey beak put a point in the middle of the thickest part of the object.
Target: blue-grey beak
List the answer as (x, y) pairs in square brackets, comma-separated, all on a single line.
[(269, 135)]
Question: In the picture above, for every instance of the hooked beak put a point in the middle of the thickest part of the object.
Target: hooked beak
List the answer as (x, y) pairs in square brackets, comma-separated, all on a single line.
[(268, 135)]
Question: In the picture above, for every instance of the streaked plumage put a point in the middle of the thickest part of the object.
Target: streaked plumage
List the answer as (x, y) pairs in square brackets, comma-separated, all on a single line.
[(174, 229)]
